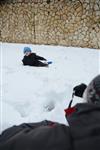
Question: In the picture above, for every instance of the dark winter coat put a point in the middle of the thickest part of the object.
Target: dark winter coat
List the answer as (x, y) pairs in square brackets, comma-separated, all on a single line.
[(33, 60), (83, 132), (84, 122), (44, 135)]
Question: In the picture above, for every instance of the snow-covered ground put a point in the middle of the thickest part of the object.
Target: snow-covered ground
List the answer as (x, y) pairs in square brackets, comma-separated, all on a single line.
[(31, 94)]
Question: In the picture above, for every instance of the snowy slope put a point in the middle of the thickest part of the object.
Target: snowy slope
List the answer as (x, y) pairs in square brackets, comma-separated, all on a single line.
[(31, 94)]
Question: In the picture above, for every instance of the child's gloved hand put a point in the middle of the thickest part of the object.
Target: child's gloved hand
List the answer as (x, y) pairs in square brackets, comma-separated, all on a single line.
[(79, 89)]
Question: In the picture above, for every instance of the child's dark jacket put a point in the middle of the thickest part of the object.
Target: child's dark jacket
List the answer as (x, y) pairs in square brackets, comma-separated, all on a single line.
[(83, 132), (32, 60)]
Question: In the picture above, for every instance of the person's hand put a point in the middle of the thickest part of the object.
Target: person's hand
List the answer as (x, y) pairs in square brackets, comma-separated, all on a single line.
[(79, 89)]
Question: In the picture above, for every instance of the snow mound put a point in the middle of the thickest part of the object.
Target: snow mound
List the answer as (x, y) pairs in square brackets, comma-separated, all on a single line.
[(31, 94)]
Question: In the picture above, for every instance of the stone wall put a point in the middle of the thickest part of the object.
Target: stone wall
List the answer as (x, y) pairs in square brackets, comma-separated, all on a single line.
[(57, 22)]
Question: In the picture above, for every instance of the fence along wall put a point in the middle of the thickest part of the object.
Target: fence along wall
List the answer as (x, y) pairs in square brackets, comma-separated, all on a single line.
[(57, 22)]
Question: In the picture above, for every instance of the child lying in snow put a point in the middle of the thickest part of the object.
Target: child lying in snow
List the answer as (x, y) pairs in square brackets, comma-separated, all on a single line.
[(31, 59)]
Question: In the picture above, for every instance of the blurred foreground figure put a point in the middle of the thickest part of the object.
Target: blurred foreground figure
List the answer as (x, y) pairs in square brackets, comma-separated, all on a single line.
[(83, 132)]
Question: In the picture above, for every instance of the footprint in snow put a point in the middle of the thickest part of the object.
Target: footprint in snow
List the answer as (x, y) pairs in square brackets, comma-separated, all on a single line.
[(49, 107)]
